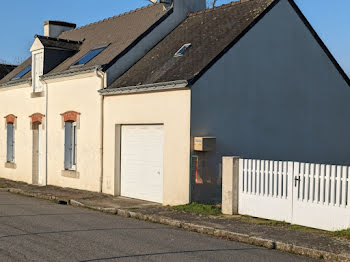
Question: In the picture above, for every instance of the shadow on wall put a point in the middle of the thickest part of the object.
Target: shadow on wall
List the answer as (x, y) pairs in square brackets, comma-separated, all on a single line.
[(206, 179)]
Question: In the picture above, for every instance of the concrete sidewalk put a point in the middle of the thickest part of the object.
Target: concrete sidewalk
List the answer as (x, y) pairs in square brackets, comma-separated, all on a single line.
[(312, 243)]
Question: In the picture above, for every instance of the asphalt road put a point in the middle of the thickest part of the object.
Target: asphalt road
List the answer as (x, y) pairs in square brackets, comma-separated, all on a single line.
[(37, 230)]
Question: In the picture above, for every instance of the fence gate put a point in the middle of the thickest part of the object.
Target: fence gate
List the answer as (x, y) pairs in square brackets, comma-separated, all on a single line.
[(321, 196), (300, 193)]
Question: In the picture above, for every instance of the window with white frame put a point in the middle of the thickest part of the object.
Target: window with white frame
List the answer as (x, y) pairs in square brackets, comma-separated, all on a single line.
[(70, 145), (37, 70), (10, 143)]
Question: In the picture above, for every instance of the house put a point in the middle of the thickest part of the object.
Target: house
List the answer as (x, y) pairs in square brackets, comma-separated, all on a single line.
[(251, 78), (52, 130), (5, 69)]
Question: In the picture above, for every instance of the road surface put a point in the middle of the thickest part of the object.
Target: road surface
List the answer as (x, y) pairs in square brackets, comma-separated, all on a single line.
[(38, 230)]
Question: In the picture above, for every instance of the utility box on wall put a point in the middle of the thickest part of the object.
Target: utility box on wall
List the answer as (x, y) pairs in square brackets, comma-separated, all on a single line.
[(204, 144)]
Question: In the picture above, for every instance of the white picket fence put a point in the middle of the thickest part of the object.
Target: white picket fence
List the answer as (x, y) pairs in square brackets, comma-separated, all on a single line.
[(312, 195)]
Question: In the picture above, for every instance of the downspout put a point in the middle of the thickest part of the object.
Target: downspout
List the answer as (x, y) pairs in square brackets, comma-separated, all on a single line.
[(102, 76), (46, 131)]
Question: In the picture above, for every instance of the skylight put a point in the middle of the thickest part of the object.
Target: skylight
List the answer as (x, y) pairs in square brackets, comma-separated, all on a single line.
[(23, 72), (89, 56), (182, 50)]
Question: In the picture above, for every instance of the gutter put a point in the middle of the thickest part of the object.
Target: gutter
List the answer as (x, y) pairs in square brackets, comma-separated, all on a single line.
[(16, 82), (71, 72), (163, 86)]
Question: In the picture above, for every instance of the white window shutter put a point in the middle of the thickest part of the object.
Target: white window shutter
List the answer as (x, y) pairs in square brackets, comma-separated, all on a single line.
[(38, 70)]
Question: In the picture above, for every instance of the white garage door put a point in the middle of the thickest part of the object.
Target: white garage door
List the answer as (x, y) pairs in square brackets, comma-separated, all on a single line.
[(142, 162)]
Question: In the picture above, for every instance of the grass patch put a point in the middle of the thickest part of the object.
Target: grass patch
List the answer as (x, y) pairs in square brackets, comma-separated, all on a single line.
[(267, 222), (3, 186), (197, 208), (342, 233), (275, 223), (261, 221)]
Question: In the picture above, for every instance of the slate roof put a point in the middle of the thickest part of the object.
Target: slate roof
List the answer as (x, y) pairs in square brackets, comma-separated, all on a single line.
[(117, 32), (51, 42), (5, 69), (209, 31)]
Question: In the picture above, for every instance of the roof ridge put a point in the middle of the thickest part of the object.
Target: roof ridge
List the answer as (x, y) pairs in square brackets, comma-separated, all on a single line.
[(113, 17), (233, 3)]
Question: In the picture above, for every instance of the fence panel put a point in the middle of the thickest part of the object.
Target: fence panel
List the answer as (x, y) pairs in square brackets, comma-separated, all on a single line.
[(329, 214), (307, 194), (271, 202)]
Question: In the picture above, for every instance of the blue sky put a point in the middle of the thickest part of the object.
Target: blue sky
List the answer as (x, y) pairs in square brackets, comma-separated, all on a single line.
[(21, 21)]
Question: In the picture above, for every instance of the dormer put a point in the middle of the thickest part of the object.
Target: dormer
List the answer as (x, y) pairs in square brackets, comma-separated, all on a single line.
[(47, 53), (37, 65)]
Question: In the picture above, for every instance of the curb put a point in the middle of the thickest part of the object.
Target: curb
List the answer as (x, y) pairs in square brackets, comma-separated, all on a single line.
[(36, 195), (242, 238)]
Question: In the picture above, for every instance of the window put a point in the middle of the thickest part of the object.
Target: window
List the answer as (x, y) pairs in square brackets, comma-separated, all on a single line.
[(38, 70), (10, 143), (182, 50), (23, 72), (89, 56), (70, 145)]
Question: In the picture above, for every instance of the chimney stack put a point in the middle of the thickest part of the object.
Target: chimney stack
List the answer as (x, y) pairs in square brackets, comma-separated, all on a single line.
[(55, 28)]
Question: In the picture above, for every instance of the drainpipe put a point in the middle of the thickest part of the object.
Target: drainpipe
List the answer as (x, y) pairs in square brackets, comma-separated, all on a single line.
[(46, 129), (102, 76)]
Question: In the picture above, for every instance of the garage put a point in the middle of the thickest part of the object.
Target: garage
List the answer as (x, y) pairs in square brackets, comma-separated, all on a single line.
[(142, 162)]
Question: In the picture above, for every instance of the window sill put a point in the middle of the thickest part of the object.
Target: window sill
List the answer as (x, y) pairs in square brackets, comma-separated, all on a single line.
[(11, 165), (37, 94), (70, 174)]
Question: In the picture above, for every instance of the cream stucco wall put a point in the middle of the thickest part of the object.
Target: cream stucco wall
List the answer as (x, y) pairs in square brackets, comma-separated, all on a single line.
[(170, 108), (75, 94), (18, 100)]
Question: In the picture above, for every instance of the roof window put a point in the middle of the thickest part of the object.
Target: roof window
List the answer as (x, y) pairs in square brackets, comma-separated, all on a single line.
[(23, 72), (89, 56), (182, 50)]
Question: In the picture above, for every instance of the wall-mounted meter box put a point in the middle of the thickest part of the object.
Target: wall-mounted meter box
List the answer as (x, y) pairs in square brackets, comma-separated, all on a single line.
[(204, 143)]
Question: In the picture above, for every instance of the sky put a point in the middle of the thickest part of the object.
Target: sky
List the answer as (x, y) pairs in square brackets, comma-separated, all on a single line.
[(20, 20)]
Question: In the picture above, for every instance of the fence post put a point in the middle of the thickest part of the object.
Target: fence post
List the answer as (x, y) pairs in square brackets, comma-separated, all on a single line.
[(230, 185)]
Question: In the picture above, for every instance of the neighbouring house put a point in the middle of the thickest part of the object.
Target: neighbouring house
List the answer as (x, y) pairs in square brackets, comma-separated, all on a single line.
[(5, 69), (250, 78), (52, 129)]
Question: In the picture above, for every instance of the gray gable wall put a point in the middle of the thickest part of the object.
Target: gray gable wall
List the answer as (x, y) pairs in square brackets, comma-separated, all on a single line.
[(275, 95)]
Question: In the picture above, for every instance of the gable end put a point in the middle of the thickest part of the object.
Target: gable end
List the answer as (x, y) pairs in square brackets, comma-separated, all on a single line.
[(319, 41), (257, 20)]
